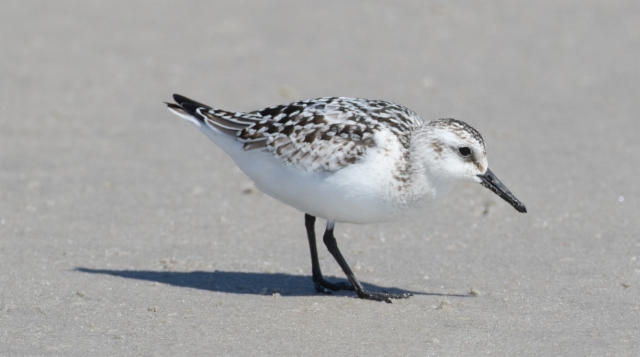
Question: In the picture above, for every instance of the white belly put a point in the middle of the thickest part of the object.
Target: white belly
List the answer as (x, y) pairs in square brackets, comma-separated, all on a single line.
[(364, 192), (360, 193)]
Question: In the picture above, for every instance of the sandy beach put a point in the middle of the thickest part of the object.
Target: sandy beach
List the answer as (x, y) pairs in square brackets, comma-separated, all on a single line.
[(125, 232)]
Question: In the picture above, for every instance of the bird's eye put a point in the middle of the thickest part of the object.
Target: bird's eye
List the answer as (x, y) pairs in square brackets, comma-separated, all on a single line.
[(464, 151)]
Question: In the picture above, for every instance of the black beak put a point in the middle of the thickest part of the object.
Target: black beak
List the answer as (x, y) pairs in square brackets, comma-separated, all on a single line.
[(490, 181)]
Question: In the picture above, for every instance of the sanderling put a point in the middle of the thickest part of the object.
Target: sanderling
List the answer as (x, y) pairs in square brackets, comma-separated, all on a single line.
[(347, 160)]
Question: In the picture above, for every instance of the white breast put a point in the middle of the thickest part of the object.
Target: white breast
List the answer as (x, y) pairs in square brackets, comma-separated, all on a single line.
[(363, 192)]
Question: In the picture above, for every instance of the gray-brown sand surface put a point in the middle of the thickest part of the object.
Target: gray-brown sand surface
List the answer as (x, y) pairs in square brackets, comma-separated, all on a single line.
[(124, 231)]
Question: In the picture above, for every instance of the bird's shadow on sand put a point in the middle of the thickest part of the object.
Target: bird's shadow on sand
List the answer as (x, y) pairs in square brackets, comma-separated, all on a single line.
[(242, 282)]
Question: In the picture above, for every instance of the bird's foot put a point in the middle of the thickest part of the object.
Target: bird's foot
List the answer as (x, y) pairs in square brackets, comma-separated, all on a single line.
[(323, 286), (382, 296)]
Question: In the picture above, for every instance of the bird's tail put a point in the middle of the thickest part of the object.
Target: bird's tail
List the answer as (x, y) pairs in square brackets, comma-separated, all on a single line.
[(187, 112), (230, 123)]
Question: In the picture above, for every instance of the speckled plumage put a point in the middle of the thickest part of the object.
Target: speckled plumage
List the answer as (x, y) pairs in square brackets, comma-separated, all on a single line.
[(387, 146), (347, 160), (461, 129), (323, 134)]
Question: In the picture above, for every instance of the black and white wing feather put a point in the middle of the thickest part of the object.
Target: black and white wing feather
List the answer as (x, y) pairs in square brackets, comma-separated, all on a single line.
[(324, 134)]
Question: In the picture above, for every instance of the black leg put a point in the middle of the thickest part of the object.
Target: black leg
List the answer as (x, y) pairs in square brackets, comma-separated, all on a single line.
[(332, 245), (322, 286)]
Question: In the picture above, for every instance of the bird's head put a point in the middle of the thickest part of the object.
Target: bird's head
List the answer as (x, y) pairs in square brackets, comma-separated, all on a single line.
[(457, 153)]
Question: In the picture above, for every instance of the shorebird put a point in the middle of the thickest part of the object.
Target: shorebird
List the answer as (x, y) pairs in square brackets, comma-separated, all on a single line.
[(347, 160)]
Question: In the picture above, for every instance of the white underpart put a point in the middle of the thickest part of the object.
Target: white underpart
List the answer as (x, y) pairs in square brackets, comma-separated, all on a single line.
[(359, 193), (356, 194), (366, 191)]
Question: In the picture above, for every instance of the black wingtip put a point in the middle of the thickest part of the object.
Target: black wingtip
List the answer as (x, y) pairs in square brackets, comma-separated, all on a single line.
[(188, 105), (172, 105), (182, 100), (179, 99)]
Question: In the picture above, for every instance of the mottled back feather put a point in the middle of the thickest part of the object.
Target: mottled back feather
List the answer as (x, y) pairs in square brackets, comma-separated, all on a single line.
[(324, 134)]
